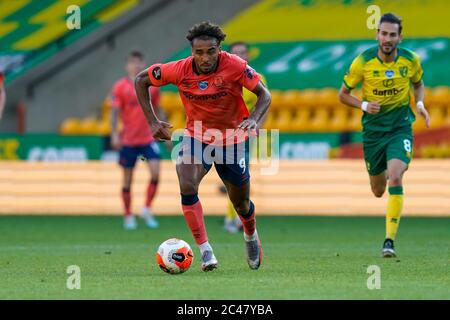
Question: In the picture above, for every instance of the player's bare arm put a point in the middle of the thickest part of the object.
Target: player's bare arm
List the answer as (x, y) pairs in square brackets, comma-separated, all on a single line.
[(159, 128), (2, 99), (419, 93), (350, 100), (258, 115)]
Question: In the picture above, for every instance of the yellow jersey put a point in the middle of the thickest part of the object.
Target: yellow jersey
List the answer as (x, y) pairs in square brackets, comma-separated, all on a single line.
[(386, 82)]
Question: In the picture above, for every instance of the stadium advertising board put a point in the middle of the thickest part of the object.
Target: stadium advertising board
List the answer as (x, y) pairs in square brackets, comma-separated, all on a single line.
[(50, 147)]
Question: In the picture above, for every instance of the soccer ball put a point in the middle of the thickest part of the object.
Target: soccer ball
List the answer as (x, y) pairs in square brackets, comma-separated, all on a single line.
[(174, 256)]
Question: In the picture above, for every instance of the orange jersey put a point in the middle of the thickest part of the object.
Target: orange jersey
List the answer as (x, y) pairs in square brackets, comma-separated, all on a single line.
[(215, 99), (136, 130)]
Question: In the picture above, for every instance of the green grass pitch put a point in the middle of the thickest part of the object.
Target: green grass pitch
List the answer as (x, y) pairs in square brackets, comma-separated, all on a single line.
[(304, 258)]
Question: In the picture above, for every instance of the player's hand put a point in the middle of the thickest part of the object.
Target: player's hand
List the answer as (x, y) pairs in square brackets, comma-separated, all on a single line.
[(424, 113), (248, 124), (115, 141), (373, 107), (161, 130)]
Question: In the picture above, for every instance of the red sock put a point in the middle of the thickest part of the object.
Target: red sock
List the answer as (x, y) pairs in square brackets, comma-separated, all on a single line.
[(249, 223), (194, 217), (151, 190), (126, 198)]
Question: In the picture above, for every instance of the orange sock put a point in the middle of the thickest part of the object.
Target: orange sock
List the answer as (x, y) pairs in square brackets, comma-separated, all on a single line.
[(151, 191), (249, 221), (193, 214)]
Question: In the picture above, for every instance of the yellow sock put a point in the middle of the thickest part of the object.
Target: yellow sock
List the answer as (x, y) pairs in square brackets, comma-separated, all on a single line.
[(394, 210), (231, 213)]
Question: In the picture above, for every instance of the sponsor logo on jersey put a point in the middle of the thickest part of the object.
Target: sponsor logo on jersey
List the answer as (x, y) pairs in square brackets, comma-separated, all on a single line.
[(403, 71), (388, 83), (387, 92), (376, 73), (389, 73), (156, 72), (218, 82), (202, 85), (205, 97)]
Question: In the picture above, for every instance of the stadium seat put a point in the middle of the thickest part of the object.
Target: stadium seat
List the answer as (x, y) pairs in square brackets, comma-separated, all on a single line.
[(309, 98), (302, 120), (283, 121), (170, 101), (88, 126), (327, 97), (70, 126), (177, 120), (277, 100), (440, 96), (269, 123), (320, 121), (104, 127), (291, 100), (437, 116), (339, 120)]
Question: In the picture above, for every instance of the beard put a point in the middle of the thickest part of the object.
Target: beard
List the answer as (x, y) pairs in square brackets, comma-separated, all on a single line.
[(386, 52)]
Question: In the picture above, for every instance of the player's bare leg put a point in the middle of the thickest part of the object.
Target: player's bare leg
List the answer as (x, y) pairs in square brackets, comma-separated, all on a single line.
[(240, 197), (189, 176), (395, 169), (129, 219), (378, 184), (147, 214)]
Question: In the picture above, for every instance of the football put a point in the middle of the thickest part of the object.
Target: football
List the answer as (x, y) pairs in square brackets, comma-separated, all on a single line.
[(174, 256)]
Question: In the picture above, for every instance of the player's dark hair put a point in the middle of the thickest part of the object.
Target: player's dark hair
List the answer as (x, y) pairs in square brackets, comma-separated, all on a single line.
[(239, 43), (392, 18), (136, 54), (205, 30)]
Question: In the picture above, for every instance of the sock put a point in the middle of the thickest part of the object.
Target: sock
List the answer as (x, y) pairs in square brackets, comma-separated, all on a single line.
[(151, 191), (126, 198), (193, 214), (205, 247), (231, 213), (394, 209), (249, 222)]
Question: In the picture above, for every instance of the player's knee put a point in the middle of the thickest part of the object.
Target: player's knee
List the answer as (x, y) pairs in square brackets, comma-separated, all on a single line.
[(378, 191), (188, 187), (395, 179), (242, 206)]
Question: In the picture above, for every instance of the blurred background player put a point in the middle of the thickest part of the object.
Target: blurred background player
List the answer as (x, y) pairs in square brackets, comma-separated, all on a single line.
[(232, 222), (2, 94), (136, 139), (386, 73), (210, 84)]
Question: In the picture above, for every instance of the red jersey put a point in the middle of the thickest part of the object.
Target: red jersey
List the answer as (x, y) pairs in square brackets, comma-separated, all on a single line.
[(2, 78), (215, 98), (136, 131)]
